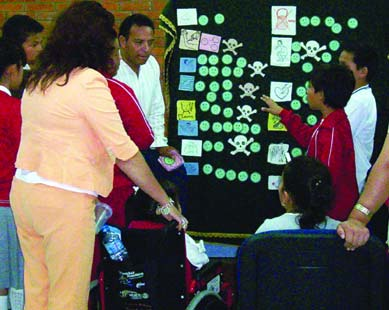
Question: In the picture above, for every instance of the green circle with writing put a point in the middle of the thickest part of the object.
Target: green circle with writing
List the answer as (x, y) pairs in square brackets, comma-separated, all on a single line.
[(227, 96), (329, 21), (200, 86), (204, 106), (307, 67), (255, 129), (336, 28), (203, 71), (218, 146), (315, 21), (213, 60), (228, 112), (227, 126), (207, 169), (215, 109), (334, 45), (238, 126), (295, 104), (217, 127), (305, 99), (227, 84), (301, 91), (296, 152), (214, 86), (255, 177), (202, 59), (243, 176), (204, 126), (220, 173), (241, 62), (219, 18), (295, 58), (311, 120), (352, 23), (203, 20), (231, 175), (326, 57), (213, 71), (227, 59), (168, 160), (207, 146), (255, 147), (238, 72), (245, 129), (296, 46), (226, 71), (304, 21), (211, 97)]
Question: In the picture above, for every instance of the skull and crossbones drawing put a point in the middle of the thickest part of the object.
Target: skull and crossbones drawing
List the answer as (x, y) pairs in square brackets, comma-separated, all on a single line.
[(248, 89), (257, 67), (312, 48), (240, 143), (232, 45), (246, 111)]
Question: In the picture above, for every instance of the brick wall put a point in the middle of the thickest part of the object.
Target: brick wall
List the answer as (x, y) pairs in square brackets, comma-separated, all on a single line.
[(45, 11)]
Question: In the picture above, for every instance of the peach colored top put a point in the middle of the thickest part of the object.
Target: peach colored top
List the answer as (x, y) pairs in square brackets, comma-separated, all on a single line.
[(72, 134)]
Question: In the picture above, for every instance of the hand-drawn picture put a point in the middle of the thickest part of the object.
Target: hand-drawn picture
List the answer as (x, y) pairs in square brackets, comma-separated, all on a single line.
[(274, 123), (189, 39), (283, 20), (186, 82), (281, 49), (192, 168), (186, 17), (209, 42), (186, 110), (273, 182), (188, 128), (281, 91), (188, 64), (191, 147), (276, 154)]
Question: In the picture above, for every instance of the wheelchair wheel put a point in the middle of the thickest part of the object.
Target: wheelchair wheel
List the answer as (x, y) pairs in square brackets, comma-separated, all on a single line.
[(207, 300)]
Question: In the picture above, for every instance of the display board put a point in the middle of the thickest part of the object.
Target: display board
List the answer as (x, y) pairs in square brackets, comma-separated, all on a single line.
[(220, 57)]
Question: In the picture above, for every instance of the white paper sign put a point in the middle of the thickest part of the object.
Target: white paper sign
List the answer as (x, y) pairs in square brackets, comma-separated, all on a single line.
[(186, 17), (191, 147), (281, 49), (283, 20), (281, 91)]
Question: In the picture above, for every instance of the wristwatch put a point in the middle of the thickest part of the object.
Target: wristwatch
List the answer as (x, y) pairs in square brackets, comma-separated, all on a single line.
[(361, 208)]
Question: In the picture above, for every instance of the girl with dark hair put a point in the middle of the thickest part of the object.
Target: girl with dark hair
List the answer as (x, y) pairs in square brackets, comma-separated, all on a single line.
[(306, 194), (72, 136)]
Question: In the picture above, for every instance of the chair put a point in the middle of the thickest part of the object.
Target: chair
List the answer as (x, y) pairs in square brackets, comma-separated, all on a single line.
[(309, 269)]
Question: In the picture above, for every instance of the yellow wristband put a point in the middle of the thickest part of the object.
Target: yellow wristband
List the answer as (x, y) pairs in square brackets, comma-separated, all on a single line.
[(361, 208)]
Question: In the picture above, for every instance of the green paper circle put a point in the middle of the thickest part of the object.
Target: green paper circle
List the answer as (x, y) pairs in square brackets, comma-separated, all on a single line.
[(296, 46), (295, 58), (305, 99), (307, 67), (214, 86), (255, 147), (217, 127), (204, 126), (218, 146), (227, 59), (211, 97), (219, 18), (228, 112), (227, 126), (329, 21), (203, 71), (326, 57), (245, 129), (213, 71), (231, 175), (304, 21), (334, 45), (311, 120), (213, 60), (296, 152), (168, 160), (203, 20), (301, 91), (295, 105), (220, 173), (255, 177), (307, 84), (238, 127), (215, 109), (204, 106), (315, 21), (207, 169), (238, 72), (226, 71), (336, 28), (255, 129), (202, 59), (241, 62), (227, 84), (200, 86), (352, 23), (243, 176), (207, 146), (227, 96)]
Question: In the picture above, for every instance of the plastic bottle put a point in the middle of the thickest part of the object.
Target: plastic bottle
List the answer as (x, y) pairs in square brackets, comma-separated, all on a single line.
[(113, 243)]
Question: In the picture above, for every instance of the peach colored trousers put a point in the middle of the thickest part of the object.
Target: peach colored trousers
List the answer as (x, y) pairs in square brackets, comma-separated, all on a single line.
[(56, 229)]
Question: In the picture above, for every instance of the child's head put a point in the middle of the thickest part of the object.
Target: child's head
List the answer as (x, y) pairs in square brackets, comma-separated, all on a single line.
[(12, 60), (306, 188), (25, 32), (361, 59), (330, 85)]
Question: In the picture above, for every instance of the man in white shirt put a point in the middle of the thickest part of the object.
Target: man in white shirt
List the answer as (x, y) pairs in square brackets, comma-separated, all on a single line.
[(361, 109), (140, 70)]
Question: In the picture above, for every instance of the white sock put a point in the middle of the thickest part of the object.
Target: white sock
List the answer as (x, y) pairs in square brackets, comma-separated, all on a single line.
[(17, 299), (4, 302)]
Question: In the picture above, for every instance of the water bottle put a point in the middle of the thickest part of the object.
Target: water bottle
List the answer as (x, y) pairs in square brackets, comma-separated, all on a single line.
[(113, 243)]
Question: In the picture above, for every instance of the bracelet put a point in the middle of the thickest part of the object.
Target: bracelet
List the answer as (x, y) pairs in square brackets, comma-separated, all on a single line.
[(361, 208), (165, 209)]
